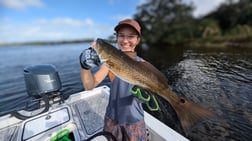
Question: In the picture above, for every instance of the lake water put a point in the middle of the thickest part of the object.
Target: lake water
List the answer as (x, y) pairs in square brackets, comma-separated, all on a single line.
[(219, 79)]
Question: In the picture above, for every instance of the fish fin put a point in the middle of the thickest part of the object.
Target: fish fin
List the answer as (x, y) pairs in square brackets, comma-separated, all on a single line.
[(188, 112)]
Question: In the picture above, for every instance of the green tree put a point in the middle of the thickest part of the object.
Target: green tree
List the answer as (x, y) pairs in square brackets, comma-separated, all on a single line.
[(232, 13), (165, 21), (208, 28)]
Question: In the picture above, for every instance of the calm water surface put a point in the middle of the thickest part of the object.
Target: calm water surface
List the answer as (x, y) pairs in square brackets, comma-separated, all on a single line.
[(218, 79)]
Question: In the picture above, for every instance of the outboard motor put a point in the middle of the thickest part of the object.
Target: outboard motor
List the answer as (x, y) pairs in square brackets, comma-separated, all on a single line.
[(43, 84), (41, 79)]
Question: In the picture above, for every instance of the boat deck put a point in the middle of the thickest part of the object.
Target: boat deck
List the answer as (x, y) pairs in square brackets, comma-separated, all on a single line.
[(86, 112), (82, 113)]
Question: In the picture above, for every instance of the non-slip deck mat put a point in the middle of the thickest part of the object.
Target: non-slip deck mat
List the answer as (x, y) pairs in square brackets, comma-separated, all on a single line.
[(91, 112), (8, 133)]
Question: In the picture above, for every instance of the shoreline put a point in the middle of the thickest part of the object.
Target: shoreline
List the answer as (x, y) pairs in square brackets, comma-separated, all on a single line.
[(218, 42), (42, 43)]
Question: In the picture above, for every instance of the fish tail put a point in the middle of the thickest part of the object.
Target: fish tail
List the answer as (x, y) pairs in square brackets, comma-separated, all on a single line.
[(188, 112)]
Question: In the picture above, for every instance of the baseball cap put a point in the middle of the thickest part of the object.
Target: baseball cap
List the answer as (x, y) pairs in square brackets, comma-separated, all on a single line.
[(129, 22)]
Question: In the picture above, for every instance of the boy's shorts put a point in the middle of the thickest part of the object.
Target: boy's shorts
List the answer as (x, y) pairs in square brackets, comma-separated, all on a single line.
[(128, 132)]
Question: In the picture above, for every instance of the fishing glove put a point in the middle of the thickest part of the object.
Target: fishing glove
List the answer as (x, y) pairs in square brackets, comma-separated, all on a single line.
[(146, 97), (89, 59)]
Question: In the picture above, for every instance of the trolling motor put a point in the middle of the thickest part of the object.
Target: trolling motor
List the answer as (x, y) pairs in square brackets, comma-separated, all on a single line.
[(43, 84)]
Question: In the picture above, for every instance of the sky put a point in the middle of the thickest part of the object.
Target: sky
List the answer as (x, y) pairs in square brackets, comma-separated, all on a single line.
[(50, 20)]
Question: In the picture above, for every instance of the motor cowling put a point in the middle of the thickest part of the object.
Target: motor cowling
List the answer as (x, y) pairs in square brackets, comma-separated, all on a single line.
[(41, 79)]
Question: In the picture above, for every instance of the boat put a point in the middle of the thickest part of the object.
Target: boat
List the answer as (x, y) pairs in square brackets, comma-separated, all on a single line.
[(78, 118)]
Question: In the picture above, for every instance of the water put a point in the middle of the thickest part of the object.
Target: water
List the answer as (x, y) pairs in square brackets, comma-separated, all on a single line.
[(219, 79), (14, 59)]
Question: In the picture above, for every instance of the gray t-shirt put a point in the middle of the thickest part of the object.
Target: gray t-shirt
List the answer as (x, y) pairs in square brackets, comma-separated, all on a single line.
[(123, 106)]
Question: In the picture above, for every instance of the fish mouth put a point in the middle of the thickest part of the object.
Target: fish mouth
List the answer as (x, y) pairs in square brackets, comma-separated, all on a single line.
[(100, 45), (100, 49)]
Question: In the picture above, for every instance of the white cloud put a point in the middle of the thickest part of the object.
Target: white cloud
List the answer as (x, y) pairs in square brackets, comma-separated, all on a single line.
[(31, 31), (88, 22), (66, 21), (52, 29), (21, 4), (41, 21), (203, 7), (38, 33)]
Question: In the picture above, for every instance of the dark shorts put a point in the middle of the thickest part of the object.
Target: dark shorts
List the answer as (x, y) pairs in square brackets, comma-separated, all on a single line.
[(132, 132)]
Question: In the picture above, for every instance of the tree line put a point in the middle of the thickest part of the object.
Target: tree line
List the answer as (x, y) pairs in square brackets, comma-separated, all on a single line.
[(171, 23)]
